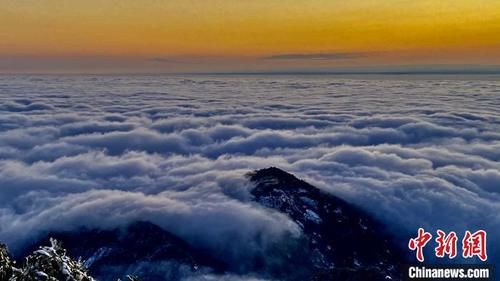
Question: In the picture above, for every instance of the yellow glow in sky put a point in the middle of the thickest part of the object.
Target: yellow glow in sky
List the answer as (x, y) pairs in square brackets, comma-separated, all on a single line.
[(193, 34)]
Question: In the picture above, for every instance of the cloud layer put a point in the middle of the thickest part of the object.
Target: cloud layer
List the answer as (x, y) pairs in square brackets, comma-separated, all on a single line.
[(316, 56), (104, 151)]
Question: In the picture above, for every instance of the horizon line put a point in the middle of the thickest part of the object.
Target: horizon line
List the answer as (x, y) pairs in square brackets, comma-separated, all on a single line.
[(237, 73), (422, 69)]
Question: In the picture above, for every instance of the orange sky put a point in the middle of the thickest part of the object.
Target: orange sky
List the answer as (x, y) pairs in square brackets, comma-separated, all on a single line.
[(237, 35)]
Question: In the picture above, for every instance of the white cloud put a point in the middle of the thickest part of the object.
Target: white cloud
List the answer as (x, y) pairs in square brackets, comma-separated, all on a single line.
[(174, 151)]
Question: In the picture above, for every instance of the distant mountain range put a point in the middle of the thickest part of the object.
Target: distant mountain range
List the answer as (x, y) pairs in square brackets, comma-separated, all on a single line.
[(339, 242)]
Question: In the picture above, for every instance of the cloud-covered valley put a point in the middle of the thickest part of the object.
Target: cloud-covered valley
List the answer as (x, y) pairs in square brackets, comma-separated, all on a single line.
[(89, 151)]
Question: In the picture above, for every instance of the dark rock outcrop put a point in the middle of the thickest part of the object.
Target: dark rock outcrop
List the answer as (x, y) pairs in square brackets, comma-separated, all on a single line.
[(141, 249), (344, 242)]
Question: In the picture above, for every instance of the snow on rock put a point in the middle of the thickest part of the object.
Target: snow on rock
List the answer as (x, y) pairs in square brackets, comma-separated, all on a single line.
[(49, 263), (312, 216)]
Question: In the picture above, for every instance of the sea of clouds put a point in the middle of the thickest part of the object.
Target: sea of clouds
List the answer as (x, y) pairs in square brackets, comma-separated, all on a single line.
[(102, 151)]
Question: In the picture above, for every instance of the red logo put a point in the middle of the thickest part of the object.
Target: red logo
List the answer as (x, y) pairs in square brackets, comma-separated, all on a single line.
[(447, 244), (473, 244), (419, 243)]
